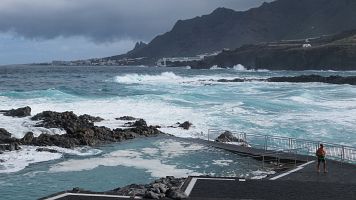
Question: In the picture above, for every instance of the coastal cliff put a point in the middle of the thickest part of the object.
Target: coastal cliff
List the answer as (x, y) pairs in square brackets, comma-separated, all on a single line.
[(226, 28), (335, 52)]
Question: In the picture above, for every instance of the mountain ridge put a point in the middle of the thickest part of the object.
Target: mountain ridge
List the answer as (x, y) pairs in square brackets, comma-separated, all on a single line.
[(274, 21)]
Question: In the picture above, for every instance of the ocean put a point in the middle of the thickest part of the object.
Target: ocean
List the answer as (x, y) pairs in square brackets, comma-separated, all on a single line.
[(161, 96)]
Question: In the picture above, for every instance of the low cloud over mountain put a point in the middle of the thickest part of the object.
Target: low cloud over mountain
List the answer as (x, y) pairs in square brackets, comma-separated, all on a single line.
[(104, 20)]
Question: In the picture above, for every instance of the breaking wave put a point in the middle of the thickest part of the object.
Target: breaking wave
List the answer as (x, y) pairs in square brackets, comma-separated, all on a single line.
[(146, 78)]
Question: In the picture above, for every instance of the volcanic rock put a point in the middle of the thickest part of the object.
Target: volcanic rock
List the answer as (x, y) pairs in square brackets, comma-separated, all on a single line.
[(91, 118), (80, 130), (4, 135), (185, 125), (28, 138), (126, 118), (315, 78), (46, 150), (19, 112), (7, 143), (139, 123), (161, 188), (176, 194), (227, 136)]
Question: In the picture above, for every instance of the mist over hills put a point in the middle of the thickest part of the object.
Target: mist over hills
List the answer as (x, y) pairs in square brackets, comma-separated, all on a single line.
[(226, 28)]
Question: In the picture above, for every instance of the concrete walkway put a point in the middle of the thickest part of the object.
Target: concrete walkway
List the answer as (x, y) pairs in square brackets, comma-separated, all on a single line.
[(274, 190)]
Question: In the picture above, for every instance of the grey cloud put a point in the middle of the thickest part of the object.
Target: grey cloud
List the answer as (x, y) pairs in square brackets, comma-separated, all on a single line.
[(104, 20)]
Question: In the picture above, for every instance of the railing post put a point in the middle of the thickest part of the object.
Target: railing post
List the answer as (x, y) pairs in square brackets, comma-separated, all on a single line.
[(266, 141), (343, 153), (209, 135)]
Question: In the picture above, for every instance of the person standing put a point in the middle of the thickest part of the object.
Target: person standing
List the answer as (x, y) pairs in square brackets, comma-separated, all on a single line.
[(320, 154)]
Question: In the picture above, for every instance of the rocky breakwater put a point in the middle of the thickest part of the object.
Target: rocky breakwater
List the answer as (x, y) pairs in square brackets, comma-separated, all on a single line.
[(163, 188), (19, 112), (228, 137), (7, 143), (351, 80), (80, 131)]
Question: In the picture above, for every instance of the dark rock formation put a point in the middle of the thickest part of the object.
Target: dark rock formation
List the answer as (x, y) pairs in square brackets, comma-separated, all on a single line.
[(28, 138), (168, 187), (10, 146), (7, 143), (315, 78), (185, 125), (126, 118), (139, 123), (19, 112), (4, 135), (227, 136), (46, 150), (351, 80), (233, 80), (80, 130), (90, 118)]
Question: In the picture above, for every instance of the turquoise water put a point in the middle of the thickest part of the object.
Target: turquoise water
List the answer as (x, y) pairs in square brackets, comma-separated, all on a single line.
[(137, 161), (161, 96)]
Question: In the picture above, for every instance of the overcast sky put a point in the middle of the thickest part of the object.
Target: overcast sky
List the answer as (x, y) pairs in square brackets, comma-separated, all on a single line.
[(45, 30)]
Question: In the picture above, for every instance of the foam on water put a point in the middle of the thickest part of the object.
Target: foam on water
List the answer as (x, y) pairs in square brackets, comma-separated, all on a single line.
[(215, 67), (18, 127), (137, 159), (173, 148), (239, 67), (242, 68), (165, 77), (259, 174), (222, 163), (18, 160), (171, 78)]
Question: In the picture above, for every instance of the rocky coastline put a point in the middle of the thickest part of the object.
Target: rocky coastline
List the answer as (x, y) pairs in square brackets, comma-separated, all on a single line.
[(350, 80), (164, 188), (80, 131)]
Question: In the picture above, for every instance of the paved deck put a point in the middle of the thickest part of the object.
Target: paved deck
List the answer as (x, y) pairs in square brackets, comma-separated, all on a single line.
[(274, 190)]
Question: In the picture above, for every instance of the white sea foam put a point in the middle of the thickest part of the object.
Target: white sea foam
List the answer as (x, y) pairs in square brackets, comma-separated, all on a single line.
[(165, 77), (173, 148), (136, 158), (19, 126), (259, 174), (170, 78), (150, 151), (146, 79), (239, 67), (242, 68), (18, 160), (222, 163), (215, 67)]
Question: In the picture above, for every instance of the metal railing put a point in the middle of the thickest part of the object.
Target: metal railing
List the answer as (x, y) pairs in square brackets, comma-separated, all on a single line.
[(286, 144)]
